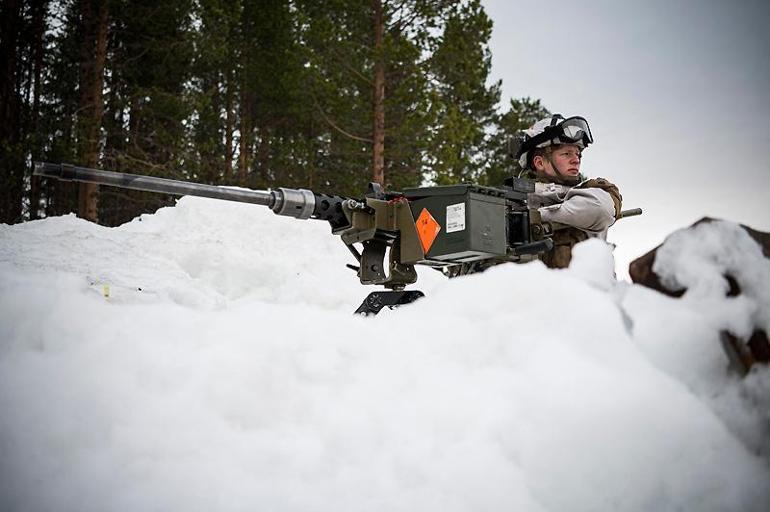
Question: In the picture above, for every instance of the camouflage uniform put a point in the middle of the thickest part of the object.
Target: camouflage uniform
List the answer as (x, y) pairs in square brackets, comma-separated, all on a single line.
[(585, 211)]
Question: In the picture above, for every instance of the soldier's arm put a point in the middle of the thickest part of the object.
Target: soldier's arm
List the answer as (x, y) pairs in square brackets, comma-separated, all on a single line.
[(589, 209), (592, 206)]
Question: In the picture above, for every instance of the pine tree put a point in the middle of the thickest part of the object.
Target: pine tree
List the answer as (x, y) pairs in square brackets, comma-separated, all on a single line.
[(60, 107), (275, 111), (370, 87), (214, 85), (463, 103), (148, 102), (22, 30), (33, 125)]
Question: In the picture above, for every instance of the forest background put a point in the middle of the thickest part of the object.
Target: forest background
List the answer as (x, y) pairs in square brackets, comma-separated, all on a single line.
[(320, 94)]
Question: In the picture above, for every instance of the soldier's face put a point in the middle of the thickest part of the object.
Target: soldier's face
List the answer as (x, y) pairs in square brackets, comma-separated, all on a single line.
[(565, 159)]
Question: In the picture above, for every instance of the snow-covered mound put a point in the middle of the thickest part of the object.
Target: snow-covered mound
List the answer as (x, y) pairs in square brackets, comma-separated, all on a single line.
[(205, 358)]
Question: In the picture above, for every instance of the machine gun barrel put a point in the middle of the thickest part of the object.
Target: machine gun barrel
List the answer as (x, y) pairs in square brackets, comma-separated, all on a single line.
[(298, 203), (67, 172)]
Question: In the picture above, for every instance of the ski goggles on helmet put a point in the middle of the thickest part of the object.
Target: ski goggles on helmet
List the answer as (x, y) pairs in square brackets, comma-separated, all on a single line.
[(573, 130)]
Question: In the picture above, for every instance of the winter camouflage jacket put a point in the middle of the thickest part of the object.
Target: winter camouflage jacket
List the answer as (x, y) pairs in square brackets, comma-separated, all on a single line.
[(578, 213)]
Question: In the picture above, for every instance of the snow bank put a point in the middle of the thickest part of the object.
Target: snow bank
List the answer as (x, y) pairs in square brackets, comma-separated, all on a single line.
[(224, 371), (682, 336)]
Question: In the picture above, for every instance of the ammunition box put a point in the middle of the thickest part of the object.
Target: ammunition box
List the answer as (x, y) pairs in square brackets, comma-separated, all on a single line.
[(471, 222)]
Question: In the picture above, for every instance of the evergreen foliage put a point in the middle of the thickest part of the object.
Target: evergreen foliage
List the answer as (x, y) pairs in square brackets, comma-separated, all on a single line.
[(521, 114), (320, 94)]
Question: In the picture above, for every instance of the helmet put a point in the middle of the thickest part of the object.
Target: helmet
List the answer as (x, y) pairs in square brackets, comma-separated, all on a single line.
[(550, 131)]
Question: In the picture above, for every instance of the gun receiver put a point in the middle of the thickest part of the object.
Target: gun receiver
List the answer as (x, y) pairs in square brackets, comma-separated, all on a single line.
[(457, 228)]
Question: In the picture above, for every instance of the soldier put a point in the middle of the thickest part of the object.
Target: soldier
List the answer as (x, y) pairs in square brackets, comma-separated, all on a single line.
[(577, 208)]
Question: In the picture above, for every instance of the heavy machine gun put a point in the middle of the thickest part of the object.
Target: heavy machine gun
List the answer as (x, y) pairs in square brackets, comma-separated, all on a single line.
[(457, 229)]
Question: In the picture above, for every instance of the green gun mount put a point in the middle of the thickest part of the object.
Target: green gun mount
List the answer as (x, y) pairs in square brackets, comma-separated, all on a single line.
[(457, 229)]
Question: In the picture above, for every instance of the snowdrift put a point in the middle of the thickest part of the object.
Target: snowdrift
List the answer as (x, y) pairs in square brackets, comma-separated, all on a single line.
[(205, 358)]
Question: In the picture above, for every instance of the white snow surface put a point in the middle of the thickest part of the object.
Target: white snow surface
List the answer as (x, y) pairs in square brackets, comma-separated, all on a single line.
[(205, 358)]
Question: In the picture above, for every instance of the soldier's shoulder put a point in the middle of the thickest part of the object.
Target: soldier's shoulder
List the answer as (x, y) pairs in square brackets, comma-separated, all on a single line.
[(596, 183), (602, 183), (609, 187)]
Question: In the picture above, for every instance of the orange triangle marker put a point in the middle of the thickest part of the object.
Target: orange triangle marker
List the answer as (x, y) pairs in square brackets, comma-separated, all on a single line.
[(427, 229)]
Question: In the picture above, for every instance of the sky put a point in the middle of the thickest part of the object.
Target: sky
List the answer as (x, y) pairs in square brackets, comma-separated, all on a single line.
[(206, 358), (677, 94)]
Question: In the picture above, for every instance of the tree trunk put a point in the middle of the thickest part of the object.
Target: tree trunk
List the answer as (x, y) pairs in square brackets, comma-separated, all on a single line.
[(262, 159), (93, 53), (229, 121), (37, 52), (245, 141), (245, 124), (11, 158), (378, 138)]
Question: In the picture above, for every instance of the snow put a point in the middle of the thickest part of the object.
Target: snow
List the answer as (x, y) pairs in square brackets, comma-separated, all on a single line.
[(206, 358)]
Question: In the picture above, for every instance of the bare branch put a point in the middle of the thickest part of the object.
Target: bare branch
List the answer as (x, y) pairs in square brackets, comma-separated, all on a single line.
[(333, 125), (350, 68)]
